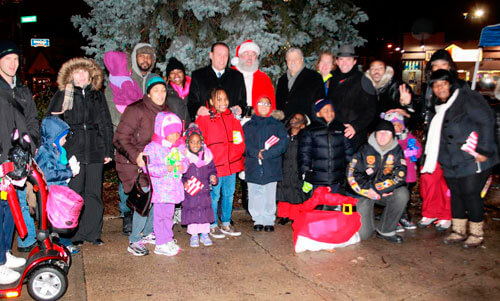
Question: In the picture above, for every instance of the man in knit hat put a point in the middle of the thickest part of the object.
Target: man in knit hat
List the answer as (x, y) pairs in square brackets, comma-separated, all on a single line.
[(377, 174), (257, 83), (140, 63), (17, 110)]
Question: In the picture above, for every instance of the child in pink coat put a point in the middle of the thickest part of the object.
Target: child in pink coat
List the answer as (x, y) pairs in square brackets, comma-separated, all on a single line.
[(125, 89), (412, 150), (166, 162)]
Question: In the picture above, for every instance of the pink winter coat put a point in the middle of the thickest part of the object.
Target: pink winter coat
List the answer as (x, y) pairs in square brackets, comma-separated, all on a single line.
[(125, 89), (167, 186), (411, 170)]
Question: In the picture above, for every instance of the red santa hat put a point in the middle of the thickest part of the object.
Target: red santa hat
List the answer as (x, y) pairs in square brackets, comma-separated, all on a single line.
[(245, 46)]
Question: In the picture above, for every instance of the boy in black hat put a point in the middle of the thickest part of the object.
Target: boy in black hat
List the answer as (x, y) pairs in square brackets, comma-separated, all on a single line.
[(324, 151), (377, 174)]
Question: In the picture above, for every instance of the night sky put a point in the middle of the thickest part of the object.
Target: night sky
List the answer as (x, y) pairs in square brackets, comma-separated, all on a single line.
[(388, 21)]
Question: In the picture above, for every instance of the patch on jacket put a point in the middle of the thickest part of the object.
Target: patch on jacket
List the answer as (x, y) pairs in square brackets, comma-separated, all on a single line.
[(370, 160), (390, 159)]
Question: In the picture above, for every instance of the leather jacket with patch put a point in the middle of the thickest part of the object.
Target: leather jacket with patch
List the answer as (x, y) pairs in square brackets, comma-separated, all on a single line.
[(370, 167)]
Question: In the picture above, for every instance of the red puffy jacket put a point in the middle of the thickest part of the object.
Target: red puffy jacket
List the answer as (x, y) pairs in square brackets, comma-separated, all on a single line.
[(223, 135)]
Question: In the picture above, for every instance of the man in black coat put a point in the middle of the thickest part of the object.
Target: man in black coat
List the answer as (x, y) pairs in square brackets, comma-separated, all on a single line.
[(17, 111), (217, 74), (353, 96), (391, 94), (299, 87)]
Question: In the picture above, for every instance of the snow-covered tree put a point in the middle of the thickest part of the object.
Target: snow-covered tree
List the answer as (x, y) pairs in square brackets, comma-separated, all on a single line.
[(187, 28)]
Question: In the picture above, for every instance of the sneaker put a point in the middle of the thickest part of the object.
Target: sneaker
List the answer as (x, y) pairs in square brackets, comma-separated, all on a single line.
[(73, 249), (400, 228), (205, 240), (13, 262), (168, 249), (177, 216), (425, 221), (215, 232), (149, 239), (138, 248), (229, 230), (194, 242), (443, 225), (8, 276), (407, 224)]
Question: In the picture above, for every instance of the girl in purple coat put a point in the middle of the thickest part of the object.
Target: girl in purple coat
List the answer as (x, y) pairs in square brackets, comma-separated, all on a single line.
[(167, 162), (197, 212)]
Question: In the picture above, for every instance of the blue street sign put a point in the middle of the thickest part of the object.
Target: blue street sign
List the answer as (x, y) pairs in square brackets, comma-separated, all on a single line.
[(40, 42)]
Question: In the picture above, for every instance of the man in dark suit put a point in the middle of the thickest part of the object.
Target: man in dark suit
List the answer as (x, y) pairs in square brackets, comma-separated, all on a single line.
[(217, 74), (299, 87)]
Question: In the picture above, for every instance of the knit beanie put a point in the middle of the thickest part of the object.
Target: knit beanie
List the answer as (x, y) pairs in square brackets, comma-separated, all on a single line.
[(8, 47), (146, 49), (152, 80), (173, 64), (319, 104), (167, 123), (395, 117), (384, 125)]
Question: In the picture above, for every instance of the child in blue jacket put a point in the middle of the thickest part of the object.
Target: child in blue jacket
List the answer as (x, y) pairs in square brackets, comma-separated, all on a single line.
[(52, 160), (266, 142)]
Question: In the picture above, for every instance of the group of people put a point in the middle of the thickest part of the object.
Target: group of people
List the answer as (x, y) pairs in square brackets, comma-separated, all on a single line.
[(189, 137)]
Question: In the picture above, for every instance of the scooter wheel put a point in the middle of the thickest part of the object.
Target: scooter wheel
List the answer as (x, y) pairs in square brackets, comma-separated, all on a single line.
[(47, 283)]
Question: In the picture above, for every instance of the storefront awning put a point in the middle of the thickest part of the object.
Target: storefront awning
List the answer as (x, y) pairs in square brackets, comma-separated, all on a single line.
[(490, 36)]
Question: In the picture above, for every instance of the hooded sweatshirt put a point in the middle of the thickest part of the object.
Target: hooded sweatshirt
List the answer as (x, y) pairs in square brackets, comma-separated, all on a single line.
[(49, 155), (381, 169)]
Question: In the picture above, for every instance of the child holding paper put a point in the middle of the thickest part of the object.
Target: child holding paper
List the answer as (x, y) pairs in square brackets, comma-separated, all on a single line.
[(266, 141), (197, 211)]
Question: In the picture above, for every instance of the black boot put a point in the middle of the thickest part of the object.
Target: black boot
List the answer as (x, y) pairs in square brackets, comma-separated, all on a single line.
[(127, 223)]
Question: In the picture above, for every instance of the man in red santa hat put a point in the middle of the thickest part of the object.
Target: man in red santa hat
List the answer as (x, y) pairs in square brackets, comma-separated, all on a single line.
[(257, 83)]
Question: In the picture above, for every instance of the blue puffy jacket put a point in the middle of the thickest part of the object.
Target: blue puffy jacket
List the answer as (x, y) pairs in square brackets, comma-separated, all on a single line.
[(257, 131), (47, 157)]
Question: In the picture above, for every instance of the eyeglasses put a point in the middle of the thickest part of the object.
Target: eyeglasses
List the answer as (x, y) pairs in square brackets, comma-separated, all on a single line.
[(264, 104)]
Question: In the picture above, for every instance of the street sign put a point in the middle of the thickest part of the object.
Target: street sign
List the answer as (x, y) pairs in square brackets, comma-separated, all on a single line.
[(40, 42), (28, 19)]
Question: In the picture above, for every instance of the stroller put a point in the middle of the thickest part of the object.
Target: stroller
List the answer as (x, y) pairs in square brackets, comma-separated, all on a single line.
[(47, 265)]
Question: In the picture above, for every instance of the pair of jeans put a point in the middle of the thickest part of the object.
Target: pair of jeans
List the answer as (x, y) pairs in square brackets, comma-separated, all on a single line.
[(262, 203), (141, 225), (123, 200), (30, 239), (394, 206), (226, 187), (6, 230)]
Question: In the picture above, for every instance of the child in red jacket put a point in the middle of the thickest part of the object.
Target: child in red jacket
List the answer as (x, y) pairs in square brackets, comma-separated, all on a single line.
[(224, 137)]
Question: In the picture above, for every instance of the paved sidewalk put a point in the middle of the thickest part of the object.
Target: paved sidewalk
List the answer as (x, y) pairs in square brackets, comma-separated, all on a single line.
[(263, 266)]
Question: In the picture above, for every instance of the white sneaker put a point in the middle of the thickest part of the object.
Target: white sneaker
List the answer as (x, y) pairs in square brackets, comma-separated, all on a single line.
[(13, 262), (8, 276), (443, 224), (425, 221), (149, 239), (168, 249)]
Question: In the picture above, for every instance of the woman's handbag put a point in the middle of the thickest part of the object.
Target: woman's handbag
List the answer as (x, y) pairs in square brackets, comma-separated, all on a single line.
[(138, 199)]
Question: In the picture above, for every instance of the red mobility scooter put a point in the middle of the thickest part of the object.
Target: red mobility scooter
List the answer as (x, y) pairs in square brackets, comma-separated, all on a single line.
[(47, 265)]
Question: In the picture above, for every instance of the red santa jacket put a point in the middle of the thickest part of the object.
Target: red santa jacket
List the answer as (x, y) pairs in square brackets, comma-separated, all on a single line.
[(223, 135), (261, 85)]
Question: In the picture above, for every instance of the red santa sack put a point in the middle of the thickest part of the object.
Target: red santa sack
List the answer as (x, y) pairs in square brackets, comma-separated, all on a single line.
[(326, 221)]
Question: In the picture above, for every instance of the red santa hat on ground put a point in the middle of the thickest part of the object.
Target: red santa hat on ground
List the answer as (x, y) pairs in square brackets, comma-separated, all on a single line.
[(245, 46)]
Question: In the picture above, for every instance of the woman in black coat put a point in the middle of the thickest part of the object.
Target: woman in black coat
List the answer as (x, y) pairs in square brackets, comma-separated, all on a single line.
[(461, 114), (81, 104), (178, 90)]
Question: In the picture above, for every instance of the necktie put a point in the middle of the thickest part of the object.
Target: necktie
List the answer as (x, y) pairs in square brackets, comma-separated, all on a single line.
[(219, 74)]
